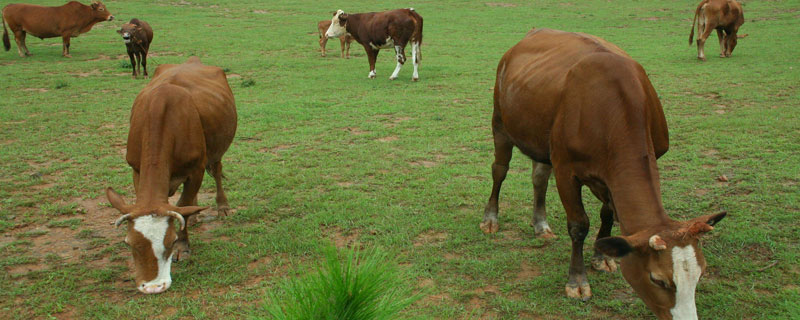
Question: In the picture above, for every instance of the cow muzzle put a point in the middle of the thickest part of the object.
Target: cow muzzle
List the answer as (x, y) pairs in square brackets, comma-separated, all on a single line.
[(154, 287), (110, 18)]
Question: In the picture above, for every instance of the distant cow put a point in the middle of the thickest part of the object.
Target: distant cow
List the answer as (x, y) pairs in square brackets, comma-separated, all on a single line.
[(182, 123), (67, 21), (137, 36), (725, 16), (382, 30), (581, 108), (345, 40)]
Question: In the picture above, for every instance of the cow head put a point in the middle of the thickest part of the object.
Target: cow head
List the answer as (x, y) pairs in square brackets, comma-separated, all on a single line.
[(338, 25), (127, 31), (151, 236), (100, 12), (663, 266)]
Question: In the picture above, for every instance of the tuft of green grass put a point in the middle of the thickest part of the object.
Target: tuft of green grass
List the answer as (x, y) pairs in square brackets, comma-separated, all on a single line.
[(68, 223), (61, 85), (51, 209), (125, 64), (352, 285), (248, 83)]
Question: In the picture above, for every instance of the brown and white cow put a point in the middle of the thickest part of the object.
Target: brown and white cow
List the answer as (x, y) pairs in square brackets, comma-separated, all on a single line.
[(322, 28), (382, 30), (67, 21), (182, 123), (725, 16), (137, 35), (581, 108)]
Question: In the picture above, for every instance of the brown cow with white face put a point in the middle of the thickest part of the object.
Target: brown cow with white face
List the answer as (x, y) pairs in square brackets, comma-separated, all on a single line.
[(382, 30), (725, 16), (581, 108), (67, 21), (182, 123), (322, 28)]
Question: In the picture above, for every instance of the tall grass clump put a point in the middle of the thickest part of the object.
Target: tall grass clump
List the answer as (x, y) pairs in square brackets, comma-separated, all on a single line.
[(348, 285)]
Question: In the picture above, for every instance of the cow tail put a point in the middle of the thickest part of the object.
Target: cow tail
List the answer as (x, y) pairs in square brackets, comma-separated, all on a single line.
[(696, 13), (6, 42), (418, 29)]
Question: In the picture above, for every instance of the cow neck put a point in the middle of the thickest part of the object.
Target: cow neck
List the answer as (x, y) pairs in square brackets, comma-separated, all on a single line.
[(636, 196), (157, 146), (354, 20)]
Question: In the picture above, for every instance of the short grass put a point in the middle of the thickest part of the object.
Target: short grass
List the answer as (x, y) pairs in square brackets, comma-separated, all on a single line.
[(324, 155)]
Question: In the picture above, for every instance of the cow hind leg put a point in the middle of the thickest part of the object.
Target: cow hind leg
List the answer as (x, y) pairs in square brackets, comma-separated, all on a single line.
[(569, 189), (222, 201), (701, 40), (181, 250), (502, 156), (322, 42), (401, 59), (65, 40), (19, 38), (721, 37), (540, 178), (600, 262), (415, 57), (132, 56), (343, 43)]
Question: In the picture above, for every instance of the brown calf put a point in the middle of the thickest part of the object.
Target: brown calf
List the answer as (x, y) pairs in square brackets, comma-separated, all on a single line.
[(182, 123), (137, 36), (725, 16), (581, 108), (322, 27), (382, 30), (67, 21)]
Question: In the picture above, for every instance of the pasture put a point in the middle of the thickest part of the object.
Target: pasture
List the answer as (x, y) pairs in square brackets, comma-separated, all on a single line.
[(325, 156)]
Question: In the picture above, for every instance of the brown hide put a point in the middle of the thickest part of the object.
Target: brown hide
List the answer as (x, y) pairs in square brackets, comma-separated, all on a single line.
[(67, 21), (182, 123), (372, 29), (139, 37), (345, 40), (581, 107), (724, 16)]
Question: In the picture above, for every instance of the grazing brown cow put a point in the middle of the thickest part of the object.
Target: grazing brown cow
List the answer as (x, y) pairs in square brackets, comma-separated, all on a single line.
[(382, 30), (345, 40), (137, 36), (725, 16), (182, 123), (581, 108), (67, 21)]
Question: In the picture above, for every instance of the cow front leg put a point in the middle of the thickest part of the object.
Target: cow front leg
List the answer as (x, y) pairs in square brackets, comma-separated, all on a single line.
[(569, 189), (144, 63), (342, 43), (416, 54), (181, 250), (347, 44), (132, 56), (65, 46), (323, 40), (400, 54), (721, 37), (222, 201), (601, 262), (502, 156), (540, 178), (372, 56)]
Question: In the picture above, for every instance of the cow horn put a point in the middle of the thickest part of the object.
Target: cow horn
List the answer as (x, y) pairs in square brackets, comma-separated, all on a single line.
[(122, 219), (179, 217), (657, 243)]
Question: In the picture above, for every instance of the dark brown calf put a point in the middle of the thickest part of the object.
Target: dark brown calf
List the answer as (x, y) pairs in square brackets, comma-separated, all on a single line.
[(725, 16), (581, 108), (182, 123), (322, 27), (67, 21), (382, 30), (137, 36)]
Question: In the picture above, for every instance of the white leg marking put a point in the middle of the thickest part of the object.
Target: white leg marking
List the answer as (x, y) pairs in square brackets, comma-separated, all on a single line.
[(685, 274), (414, 57), (397, 50), (154, 228), (371, 74)]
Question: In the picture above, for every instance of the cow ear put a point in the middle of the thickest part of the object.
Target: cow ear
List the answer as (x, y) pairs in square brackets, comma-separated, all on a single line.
[(614, 246), (119, 31), (189, 211), (95, 5), (343, 17), (116, 201)]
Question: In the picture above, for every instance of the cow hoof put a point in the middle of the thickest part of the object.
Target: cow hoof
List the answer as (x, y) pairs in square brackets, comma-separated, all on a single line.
[(67, 56), (224, 211), (392, 78), (415, 79), (604, 264), (545, 234), (579, 292), (701, 58), (323, 55), (489, 226), (181, 251)]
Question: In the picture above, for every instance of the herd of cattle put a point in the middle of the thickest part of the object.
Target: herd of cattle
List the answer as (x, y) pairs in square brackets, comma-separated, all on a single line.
[(577, 105)]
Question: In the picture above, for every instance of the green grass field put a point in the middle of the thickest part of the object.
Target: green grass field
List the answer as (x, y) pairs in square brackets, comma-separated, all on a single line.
[(325, 156)]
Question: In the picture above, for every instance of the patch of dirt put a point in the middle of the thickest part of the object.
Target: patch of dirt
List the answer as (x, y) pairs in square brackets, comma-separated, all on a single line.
[(161, 54), (392, 122), (345, 184), (277, 149), (710, 152), (650, 19), (388, 139), (501, 4), (101, 57), (700, 192), (341, 238), (260, 11), (430, 237), (527, 272), (354, 130), (36, 89), (233, 75), (424, 163), (437, 299), (451, 256), (86, 74)]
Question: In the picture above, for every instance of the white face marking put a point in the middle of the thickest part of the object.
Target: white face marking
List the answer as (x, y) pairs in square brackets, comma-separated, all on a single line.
[(126, 37), (336, 29), (685, 274), (154, 228)]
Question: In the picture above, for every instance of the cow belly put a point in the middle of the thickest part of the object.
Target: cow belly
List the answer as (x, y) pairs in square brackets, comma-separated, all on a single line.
[(387, 45)]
